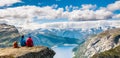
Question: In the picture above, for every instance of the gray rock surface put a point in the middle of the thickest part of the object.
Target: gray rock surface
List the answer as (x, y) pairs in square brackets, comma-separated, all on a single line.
[(27, 52), (8, 34), (104, 41)]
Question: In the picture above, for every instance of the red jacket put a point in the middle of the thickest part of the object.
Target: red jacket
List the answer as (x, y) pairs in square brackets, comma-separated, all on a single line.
[(29, 42)]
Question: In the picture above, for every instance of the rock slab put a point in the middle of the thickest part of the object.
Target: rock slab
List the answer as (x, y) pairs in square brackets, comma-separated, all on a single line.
[(27, 52)]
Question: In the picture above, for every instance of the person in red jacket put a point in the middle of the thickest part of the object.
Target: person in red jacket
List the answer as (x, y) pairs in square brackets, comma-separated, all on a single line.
[(29, 42)]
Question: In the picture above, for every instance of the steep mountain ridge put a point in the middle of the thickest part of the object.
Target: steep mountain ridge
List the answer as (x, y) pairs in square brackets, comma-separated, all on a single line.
[(8, 34), (104, 41)]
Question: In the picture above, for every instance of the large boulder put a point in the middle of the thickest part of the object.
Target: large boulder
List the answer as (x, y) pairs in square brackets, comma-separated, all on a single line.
[(104, 41), (8, 34), (27, 52)]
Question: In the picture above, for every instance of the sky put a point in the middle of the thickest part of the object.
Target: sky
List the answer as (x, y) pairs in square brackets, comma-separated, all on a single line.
[(64, 3), (36, 12)]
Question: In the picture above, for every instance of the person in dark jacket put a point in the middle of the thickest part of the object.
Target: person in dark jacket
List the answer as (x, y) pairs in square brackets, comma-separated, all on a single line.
[(22, 41), (29, 42)]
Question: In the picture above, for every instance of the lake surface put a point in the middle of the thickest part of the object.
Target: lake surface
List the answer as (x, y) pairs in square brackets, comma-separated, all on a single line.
[(63, 52)]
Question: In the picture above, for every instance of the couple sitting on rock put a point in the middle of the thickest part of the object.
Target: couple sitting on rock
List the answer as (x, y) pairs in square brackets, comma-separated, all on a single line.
[(23, 42)]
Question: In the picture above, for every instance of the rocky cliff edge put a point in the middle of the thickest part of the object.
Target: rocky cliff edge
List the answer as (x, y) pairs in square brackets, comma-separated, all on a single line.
[(27, 52)]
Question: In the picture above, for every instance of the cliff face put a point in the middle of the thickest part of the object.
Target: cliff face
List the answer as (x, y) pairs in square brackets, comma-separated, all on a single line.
[(27, 52), (8, 34), (104, 41)]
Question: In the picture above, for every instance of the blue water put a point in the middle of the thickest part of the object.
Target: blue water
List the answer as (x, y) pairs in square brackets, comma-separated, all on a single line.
[(63, 52)]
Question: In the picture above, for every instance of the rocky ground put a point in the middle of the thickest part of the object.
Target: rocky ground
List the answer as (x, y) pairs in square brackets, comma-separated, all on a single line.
[(27, 52)]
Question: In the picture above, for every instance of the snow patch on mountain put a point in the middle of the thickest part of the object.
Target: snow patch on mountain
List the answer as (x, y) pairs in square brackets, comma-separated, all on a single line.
[(83, 25), (49, 32)]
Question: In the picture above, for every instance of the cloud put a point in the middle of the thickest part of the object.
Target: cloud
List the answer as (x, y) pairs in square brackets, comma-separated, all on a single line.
[(114, 6), (54, 6), (103, 14), (24, 15), (87, 14), (82, 24), (116, 16), (8, 2), (88, 6), (79, 15), (71, 7)]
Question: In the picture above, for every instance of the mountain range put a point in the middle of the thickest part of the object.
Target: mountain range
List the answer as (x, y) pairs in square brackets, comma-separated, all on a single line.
[(61, 36)]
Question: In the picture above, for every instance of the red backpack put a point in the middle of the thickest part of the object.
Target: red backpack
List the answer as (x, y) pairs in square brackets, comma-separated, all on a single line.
[(29, 42)]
